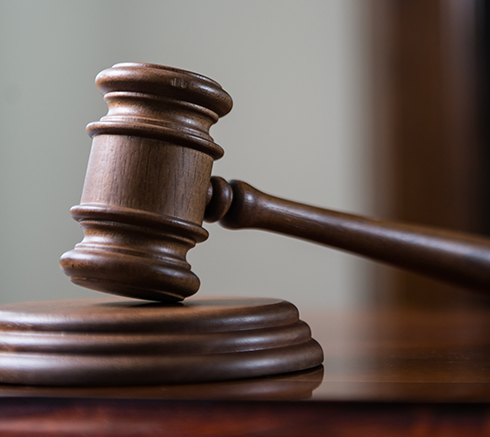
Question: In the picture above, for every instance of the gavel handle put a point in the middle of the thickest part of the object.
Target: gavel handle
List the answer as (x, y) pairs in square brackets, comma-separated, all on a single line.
[(449, 256)]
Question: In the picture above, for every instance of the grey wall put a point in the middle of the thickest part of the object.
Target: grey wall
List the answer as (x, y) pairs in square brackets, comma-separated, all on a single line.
[(297, 74)]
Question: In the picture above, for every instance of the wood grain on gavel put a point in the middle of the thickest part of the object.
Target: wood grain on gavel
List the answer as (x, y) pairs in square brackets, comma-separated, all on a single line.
[(148, 187), (450, 256)]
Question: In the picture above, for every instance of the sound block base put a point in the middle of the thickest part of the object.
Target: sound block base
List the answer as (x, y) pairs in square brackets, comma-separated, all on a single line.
[(121, 342)]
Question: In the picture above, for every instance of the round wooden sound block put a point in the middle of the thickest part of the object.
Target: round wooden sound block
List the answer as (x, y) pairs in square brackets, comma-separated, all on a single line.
[(122, 342)]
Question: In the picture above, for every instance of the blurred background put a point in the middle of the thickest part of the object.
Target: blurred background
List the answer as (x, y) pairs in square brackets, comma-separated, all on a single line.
[(365, 106)]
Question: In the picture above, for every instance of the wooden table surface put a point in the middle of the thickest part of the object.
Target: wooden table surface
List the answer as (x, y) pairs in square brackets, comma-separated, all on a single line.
[(387, 371)]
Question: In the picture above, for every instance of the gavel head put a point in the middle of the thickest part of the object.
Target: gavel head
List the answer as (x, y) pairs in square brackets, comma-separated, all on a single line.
[(147, 181)]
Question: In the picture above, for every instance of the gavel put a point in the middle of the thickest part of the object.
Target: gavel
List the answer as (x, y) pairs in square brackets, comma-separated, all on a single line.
[(148, 189)]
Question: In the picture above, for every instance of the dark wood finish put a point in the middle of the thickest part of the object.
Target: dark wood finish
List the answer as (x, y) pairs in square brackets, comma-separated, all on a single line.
[(144, 195), (428, 152), (387, 372), (55, 417), (454, 257), (375, 355), (107, 342), (435, 142), (149, 179), (399, 354), (284, 387)]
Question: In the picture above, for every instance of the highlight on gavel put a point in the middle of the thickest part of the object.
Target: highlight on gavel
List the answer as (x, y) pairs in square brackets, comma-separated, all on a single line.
[(148, 189)]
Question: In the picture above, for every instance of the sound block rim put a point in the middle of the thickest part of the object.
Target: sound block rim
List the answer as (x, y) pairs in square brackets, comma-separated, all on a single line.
[(123, 342)]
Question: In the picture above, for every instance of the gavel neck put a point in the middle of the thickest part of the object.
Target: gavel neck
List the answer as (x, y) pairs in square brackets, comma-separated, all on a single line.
[(449, 256)]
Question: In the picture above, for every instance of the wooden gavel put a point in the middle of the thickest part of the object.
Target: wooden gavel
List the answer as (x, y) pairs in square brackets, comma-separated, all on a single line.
[(148, 188)]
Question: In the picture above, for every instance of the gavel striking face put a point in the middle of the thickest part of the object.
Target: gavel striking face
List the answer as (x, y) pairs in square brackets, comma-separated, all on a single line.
[(148, 188)]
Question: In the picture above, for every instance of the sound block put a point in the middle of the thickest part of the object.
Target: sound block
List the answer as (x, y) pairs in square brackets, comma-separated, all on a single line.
[(123, 342)]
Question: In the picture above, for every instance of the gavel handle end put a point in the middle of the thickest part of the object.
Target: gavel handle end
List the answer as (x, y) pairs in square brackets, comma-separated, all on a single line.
[(453, 257)]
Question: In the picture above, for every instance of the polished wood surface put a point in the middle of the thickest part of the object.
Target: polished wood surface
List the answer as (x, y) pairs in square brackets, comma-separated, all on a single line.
[(148, 187), (387, 372), (67, 417), (377, 355), (403, 354), (125, 342), (457, 258), (144, 194), (292, 386)]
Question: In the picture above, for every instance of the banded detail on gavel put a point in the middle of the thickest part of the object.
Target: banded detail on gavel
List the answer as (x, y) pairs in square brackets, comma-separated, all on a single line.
[(144, 194), (148, 189)]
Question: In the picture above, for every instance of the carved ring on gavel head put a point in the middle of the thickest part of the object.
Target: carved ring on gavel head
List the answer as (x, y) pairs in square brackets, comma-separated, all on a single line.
[(148, 188), (145, 189)]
